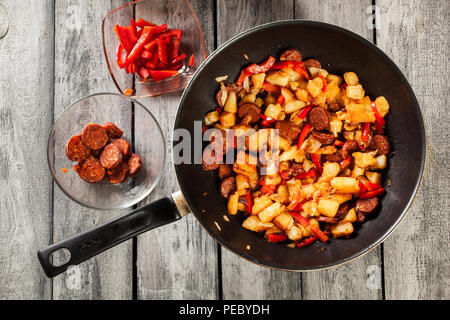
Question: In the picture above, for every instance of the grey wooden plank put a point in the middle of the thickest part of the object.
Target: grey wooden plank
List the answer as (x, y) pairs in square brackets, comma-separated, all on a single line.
[(415, 34), (80, 70), (26, 102), (177, 261), (255, 282), (359, 279)]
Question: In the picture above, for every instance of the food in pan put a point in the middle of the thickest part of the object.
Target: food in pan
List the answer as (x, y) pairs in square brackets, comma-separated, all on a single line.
[(101, 153), (314, 146), (150, 50)]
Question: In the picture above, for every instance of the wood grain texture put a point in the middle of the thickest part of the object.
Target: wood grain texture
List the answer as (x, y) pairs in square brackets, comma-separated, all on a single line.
[(26, 102), (349, 281), (80, 70), (415, 34), (177, 261), (242, 279)]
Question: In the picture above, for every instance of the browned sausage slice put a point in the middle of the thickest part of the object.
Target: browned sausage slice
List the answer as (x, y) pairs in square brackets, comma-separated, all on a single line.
[(323, 137), (319, 118), (75, 149), (124, 147), (342, 211), (381, 143), (251, 110), (225, 171), (287, 129), (209, 162), (134, 164), (94, 136), (111, 156), (117, 174), (334, 157), (366, 206), (112, 130), (97, 153), (349, 147), (312, 63), (90, 170), (291, 55), (328, 219), (228, 187)]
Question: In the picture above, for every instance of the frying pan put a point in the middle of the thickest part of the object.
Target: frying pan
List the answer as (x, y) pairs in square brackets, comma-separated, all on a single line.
[(339, 51)]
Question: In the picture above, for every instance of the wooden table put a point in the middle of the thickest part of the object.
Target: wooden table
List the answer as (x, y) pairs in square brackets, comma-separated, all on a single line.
[(53, 56)]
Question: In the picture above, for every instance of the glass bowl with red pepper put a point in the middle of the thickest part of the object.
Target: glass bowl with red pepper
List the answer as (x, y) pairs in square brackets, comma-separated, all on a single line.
[(152, 47)]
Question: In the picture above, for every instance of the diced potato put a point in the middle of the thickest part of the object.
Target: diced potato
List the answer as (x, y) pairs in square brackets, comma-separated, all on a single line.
[(293, 106), (382, 105), (287, 95), (254, 180), (381, 163), (307, 165), (259, 102), (227, 119), (303, 95), (293, 85), (310, 209), (260, 203), (331, 169), (282, 195), (349, 135), (357, 171), (231, 103), (294, 233), (283, 143), (373, 177), (311, 145), (327, 150), (300, 156), (241, 207), (345, 184), (321, 99), (211, 118), (258, 140), (334, 78), (358, 113), (273, 230), (332, 91), (350, 216), (284, 221), (335, 126), (350, 126), (292, 74), (355, 92), (341, 197), (289, 154), (242, 183), (315, 87), (273, 110), (242, 129), (351, 78), (328, 207), (254, 224), (270, 212), (258, 80), (364, 160), (245, 164), (272, 179), (248, 98), (294, 118), (314, 71), (341, 229), (280, 78), (294, 188), (233, 203)]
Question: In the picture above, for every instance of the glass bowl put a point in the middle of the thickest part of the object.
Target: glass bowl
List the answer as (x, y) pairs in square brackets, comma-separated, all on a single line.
[(140, 128), (177, 14)]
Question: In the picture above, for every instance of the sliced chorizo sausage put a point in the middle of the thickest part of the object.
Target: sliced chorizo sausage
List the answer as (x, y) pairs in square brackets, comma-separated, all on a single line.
[(124, 147), (228, 187), (342, 211), (366, 206), (287, 129), (209, 162), (90, 170), (319, 118), (323, 137), (334, 157), (134, 164), (97, 152), (112, 130), (381, 143), (118, 173), (291, 55), (225, 171), (76, 150), (111, 156), (349, 147), (251, 110), (328, 219), (94, 136), (312, 63)]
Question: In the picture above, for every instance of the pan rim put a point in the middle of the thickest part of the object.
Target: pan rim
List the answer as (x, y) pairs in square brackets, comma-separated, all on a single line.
[(390, 64)]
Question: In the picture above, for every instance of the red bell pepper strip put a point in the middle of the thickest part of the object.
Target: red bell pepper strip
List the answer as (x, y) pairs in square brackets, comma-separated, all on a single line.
[(191, 61), (248, 203), (302, 71), (305, 131), (143, 73), (266, 65), (344, 86), (179, 58), (267, 121), (304, 112), (146, 55), (176, 66), (345, 162), (119, 57), (280, 99), (319, 233), (141, 23), (162, 49), (276, 237), (151, 64), (369, 186), (241, 78), (362, 187), (338, 143), (285, 175), (286, 65), (371, 194), (174, 48), (268, 189), (324, 83), (150, 46), (219, 109), (311, 173), (147, 34), (365, 132), (317, 160), (379, 121), (133, 27), (159, 75), (126, 36), (300, 219), (272, 88), (252, 69), (307, 241)]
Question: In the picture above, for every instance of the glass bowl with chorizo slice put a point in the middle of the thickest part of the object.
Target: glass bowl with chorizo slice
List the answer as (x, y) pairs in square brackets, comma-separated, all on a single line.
[(152, 47), (309, 146), (106, 152)]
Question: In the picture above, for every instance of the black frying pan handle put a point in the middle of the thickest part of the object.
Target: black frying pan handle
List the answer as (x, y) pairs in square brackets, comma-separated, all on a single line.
[(90, 243)]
